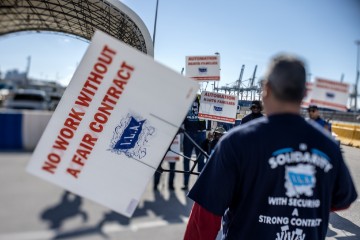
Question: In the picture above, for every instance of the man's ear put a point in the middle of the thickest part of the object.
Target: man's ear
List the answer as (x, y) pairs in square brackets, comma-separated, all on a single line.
[(266, 93)]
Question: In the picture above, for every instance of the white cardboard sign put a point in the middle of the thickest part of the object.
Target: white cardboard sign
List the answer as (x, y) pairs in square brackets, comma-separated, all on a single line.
[(218, 106), (203, 68), (172, 156), (113, 125), (329, 94)]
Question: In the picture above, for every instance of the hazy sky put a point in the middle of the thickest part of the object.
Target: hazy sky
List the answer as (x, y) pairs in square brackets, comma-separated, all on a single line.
[(245, 32)]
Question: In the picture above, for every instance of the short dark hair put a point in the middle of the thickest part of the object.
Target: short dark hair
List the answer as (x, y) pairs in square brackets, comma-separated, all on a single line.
[(287, 78), (312, 108), (256, 104)]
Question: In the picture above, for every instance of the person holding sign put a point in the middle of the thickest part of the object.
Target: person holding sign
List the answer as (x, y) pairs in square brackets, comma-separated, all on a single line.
[(196, 129), (281, 187)]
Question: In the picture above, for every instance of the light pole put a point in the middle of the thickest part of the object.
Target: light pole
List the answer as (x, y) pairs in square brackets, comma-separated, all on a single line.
[(155, 23), (217, 88), (357, 73)]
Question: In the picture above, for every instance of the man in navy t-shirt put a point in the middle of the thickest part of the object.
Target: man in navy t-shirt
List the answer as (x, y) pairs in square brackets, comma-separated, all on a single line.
[(276, 177)]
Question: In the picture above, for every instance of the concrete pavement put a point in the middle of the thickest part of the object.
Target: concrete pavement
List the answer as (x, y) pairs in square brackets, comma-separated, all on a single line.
[(32, 209)]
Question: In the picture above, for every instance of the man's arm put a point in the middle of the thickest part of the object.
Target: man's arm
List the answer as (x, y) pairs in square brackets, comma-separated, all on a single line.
[(339, 209), (344, 192), (202, 225)]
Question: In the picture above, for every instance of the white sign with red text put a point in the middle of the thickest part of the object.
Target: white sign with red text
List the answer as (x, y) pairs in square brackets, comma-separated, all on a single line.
[(173, 155), (218, 107), (113, 125), (328, 94), (203, 68)]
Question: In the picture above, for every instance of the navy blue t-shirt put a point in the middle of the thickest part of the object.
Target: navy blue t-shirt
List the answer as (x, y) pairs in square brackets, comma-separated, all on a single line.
[(323, 123), (276, 177)]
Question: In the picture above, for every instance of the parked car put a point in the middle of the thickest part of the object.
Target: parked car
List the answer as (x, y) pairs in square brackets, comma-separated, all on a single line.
[(54, 101), (27, 99), (5, 89)]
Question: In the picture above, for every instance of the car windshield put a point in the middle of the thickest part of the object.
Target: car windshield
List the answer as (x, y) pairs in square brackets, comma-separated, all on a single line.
[(56, 98), (29, 97)]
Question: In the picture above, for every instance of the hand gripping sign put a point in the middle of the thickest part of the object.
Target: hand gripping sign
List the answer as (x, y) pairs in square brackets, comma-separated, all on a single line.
[(113, 125)]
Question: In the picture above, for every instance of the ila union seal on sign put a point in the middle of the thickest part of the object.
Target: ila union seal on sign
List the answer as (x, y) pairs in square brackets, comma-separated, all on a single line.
[(130, 137)]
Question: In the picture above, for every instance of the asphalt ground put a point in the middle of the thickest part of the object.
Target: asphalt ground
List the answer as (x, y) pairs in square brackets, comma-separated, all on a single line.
[(32, 209)]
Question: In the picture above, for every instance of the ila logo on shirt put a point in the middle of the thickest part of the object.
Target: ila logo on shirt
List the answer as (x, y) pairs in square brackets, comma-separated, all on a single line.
[(299, 180), (130, 137)]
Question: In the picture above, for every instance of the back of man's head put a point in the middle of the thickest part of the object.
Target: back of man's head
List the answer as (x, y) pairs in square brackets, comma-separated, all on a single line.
[(287, 78)]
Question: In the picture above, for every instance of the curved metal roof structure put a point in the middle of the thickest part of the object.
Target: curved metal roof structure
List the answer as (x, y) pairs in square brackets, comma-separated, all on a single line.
[(79, 18)]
